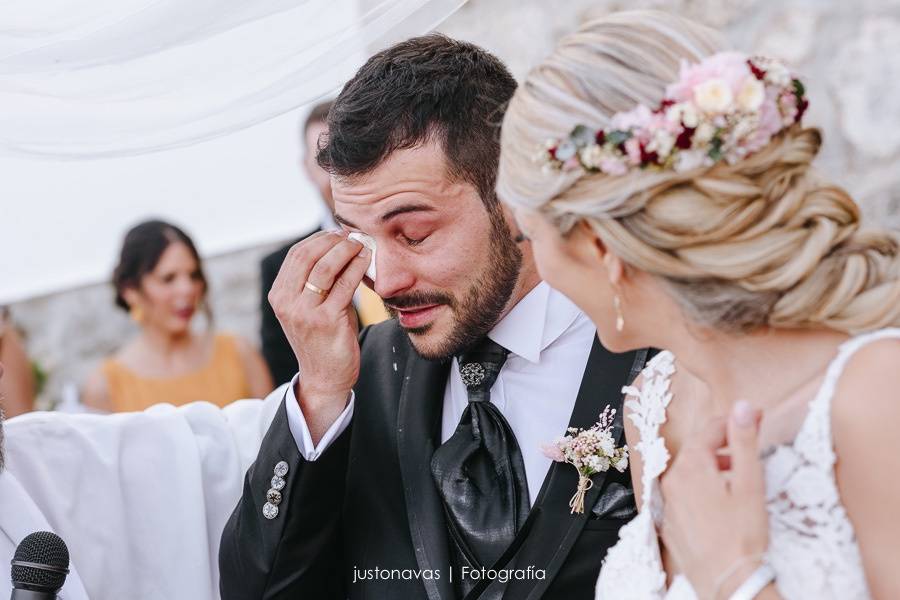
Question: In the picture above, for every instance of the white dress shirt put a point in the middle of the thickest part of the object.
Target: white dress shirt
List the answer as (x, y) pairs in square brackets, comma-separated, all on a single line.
[(549, 340), (139, 498)]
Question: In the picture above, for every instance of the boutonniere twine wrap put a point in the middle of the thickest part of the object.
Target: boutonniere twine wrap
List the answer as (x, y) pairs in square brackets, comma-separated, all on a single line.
[(724, 108), (590, 451)]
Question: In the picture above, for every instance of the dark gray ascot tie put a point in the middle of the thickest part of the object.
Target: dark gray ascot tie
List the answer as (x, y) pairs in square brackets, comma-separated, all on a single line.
[(479, 471)]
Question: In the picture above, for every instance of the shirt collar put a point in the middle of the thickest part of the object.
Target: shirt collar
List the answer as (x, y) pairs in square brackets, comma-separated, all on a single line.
[(535, 322)]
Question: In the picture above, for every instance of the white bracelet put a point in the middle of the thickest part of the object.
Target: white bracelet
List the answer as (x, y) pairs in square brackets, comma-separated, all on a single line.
[(736, 566), (757, 582)]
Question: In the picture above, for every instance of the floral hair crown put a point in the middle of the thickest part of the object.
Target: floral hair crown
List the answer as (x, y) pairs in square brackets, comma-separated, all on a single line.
[(726, 107)]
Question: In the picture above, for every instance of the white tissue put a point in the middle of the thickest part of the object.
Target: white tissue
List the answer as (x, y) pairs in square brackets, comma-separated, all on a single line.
[(369, 243)]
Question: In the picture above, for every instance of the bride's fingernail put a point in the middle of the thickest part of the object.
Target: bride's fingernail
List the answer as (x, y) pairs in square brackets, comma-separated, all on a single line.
[(743, 414)]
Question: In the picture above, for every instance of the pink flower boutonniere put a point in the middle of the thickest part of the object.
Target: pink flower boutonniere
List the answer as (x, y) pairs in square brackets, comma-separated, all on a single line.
[(591, 451)]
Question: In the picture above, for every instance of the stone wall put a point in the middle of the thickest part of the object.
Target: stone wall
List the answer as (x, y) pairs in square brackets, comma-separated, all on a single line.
[(848, 52)]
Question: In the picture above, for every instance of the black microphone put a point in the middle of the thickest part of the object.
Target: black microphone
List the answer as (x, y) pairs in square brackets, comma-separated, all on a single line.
[(39, 567)]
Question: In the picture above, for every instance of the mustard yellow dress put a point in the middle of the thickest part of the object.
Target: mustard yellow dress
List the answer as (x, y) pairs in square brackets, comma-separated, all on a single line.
[(221, 381)]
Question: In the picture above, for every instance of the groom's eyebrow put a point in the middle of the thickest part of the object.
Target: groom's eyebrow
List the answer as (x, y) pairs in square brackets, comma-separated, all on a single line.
[(409, 208), (400, 210), (344, 222)]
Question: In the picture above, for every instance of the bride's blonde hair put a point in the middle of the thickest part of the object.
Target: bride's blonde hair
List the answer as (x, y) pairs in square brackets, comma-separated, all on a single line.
[(765, 241)]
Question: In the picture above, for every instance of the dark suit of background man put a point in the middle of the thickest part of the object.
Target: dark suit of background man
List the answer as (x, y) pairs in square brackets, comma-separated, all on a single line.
[(275, 347), (404, 471)]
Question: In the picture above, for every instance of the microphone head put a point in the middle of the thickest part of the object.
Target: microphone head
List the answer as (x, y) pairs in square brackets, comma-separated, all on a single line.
[(41, 563)]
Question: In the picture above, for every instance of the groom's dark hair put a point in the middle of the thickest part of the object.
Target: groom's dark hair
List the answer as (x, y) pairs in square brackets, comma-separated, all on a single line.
[(428, 87)]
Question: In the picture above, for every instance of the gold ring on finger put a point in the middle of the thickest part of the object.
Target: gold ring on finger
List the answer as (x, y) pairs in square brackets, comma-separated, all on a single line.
[(314, 288)]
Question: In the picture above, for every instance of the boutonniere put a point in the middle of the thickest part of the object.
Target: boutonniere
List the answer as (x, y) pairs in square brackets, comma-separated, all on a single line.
[(591, 450)]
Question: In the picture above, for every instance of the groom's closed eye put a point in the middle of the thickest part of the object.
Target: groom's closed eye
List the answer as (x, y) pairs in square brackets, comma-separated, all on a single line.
[(414, 231)]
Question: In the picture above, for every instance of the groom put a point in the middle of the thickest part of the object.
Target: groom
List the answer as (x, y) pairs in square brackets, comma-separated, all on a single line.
[(419, 472)]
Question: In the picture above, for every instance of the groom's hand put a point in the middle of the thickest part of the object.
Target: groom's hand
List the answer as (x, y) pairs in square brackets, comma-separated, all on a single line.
[(321, 325)]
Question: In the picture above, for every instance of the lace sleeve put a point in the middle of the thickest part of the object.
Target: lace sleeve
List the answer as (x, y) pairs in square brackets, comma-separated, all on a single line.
[(647, 406)]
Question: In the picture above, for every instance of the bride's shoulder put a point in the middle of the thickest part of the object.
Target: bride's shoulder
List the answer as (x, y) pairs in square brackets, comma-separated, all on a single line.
[(864, 417), (862, 391), (868, 354), (866, 387)]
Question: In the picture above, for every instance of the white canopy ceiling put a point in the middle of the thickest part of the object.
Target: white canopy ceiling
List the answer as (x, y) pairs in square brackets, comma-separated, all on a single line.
[(112, 111)]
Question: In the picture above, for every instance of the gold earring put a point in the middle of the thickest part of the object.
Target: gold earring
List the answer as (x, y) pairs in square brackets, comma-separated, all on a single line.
[(137, 313), (620, 318)]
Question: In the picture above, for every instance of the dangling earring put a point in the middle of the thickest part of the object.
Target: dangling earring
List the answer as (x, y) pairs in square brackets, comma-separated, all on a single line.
[(137, 314), (620, 318)]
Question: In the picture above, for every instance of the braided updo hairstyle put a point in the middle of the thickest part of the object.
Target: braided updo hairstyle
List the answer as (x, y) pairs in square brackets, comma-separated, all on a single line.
[(765, 241)]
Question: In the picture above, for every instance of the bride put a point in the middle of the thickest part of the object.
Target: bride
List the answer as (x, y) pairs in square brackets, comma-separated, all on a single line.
[(673, 199)]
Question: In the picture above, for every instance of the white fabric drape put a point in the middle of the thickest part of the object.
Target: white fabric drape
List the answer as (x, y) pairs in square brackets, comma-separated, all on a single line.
[(140, 498), (109, 78)]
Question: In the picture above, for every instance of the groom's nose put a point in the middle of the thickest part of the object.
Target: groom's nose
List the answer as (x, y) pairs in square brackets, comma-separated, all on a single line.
[(395, 275)]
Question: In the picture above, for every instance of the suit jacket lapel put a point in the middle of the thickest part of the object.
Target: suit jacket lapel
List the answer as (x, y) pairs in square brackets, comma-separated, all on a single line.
[(418, 423), (554, 529)]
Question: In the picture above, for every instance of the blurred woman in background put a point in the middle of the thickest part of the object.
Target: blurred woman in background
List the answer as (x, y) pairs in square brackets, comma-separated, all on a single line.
[(160, 281), (20, 384)]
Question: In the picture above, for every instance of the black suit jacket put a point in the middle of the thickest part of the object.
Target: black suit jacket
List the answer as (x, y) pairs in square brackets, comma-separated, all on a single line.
[(276, 349), (369, 501)]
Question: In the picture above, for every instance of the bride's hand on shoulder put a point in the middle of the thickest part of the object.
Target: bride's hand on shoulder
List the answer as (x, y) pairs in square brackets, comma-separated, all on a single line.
[(715, 523)]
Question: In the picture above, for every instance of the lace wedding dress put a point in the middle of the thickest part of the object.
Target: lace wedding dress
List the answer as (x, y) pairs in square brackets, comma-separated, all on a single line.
[(812, 546)]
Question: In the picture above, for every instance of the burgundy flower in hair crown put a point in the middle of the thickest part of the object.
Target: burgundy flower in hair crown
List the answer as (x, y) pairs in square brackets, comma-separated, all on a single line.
[(723, 108)]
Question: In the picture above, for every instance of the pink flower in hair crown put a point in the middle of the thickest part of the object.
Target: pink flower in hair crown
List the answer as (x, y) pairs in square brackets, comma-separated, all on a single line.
[(724, 108)]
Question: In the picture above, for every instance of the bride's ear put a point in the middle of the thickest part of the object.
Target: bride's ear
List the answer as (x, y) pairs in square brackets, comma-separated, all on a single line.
[(615, 268), (597, 247)]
